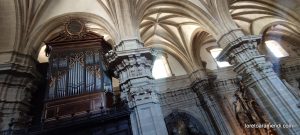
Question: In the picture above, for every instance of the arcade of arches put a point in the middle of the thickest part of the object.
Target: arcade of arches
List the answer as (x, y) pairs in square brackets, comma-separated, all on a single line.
[(150, 67)]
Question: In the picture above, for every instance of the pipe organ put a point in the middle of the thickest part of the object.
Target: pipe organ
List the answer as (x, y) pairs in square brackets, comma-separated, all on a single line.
[(78, 78), (77, 72)]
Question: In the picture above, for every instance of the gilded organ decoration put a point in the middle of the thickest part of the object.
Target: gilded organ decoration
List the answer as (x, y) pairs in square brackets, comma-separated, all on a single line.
[(78, 79), (77, 72)]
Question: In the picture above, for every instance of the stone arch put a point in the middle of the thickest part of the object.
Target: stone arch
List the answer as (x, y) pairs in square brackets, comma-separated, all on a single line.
[(256, 16), (164, 21), (199, 41), (202, 44), (285, 36), (183, 9), (217, 21), (182, 122), (167, 33), (54, 26), (286, 24)]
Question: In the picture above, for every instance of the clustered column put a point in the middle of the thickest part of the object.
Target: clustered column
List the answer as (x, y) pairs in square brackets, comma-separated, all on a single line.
[(263, 83), (201, 87), (133, 67), (18, 81)]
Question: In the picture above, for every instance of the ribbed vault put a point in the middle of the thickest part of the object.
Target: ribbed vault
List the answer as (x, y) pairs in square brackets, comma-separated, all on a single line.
[(171, 32), (274, 20), (177, 26), (255, 16), (173, 25)]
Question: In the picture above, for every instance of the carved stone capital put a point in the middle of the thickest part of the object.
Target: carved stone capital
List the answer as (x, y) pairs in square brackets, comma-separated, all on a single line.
[(262, 82), (134, 62), (198, 75), (230, 37), (241, 43), (243, 54), (200, 85), (133, 68)]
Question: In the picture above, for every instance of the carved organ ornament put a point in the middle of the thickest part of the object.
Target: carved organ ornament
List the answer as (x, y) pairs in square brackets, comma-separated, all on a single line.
[(77, 73)]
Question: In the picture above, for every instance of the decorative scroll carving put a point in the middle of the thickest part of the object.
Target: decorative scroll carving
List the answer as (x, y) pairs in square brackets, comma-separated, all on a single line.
[(95, 69), (56, 76), (134, 69), (76, 57), (76, 65), (247, 111)]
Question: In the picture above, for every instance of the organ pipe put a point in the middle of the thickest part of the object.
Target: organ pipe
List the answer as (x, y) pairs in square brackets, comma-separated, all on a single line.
[(75, 73)]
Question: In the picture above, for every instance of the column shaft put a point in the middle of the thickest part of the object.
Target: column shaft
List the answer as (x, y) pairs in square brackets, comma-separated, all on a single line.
[(263, 83), (18, 80), (133, 68), (218, 120)]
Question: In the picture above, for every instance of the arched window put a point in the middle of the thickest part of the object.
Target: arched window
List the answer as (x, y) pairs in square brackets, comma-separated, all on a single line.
[(276, 49), (161, 68), (42, 56), (215, 52)]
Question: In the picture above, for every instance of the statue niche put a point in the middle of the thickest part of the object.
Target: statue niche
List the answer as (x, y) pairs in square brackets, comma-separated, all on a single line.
[(179, 123)]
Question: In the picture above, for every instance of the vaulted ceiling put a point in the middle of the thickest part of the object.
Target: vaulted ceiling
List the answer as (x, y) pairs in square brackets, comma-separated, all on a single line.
[(255, 16), (180, 27), (171, 32)]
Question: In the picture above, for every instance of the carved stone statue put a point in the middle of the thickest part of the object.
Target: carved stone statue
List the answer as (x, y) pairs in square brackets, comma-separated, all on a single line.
[(247, 111)]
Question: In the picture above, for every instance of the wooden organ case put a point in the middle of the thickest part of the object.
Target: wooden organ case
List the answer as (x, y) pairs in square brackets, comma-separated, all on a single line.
[(78, 79), (79, 98)]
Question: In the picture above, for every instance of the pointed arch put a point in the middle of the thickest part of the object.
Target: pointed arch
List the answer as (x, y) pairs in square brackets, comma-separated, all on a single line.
[(55, 25)]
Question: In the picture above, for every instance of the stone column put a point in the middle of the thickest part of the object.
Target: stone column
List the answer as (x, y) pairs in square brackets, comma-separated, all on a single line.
[(18, 80), (260, 79), (202, 87), (132, 64)]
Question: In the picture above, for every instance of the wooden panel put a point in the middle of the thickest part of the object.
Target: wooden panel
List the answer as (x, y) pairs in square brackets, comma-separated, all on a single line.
[(51, 112), (74, 107), (77, 105)]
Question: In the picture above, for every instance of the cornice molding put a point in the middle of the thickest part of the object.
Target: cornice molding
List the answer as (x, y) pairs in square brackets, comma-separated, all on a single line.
[(224, 55)]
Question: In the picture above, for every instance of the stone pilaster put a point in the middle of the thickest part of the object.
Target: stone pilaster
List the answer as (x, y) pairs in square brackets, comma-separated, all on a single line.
[(18, 80), (258, 76), (202, 87), (132, 64)]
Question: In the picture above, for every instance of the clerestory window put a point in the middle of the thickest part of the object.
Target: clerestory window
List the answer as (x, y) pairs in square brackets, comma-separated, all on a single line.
[(276, 49), (215, 52), (161, 68)]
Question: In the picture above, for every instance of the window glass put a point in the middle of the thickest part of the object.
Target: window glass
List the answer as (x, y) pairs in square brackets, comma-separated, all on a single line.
[(215, 52), (161, 68), (276, 49)]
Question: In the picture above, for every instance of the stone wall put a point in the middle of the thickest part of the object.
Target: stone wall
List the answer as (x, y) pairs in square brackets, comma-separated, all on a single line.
[(176, 94)]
